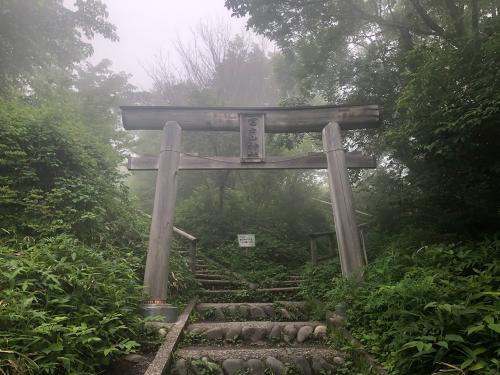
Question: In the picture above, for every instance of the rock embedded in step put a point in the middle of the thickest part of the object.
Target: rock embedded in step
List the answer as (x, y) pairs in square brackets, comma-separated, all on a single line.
[(257, 313), (243, 310), (232, 366), (277, 367), (134, 358), (275, 334), (336, 321), (215, 333), (162, 332), (320, 332), (269, 311), (304, 333), (320, 366), (232, 310), (289, 333), (285, 314), (302, 365), (180, 367), (233, 333), (338, 361), (255, 367), (194, 329), (253, 334), (219, 314)]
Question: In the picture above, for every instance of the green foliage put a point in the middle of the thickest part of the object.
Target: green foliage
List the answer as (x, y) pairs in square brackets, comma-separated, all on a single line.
[(56, 177), (271, 259), (65, 307), (429, 309), (447, 134), (318, 280)]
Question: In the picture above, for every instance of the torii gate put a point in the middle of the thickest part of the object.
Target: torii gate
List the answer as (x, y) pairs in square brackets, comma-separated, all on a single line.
[(252, 123)]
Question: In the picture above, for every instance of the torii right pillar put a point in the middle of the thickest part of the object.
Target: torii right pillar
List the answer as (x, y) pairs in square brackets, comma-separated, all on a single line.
[(350, 253)]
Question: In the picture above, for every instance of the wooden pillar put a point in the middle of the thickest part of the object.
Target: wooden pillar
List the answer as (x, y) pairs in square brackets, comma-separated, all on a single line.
[(161, 233), (330, 244), (314, 251), (192, 255), (351, 256)]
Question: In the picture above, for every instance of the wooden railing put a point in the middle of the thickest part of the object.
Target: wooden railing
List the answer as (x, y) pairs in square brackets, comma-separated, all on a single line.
[(193, 245), (313, 244)]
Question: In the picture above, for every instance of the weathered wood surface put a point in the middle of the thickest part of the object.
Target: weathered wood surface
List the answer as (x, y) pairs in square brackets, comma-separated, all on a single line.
[(161, 232), (354, 160), (186, 235), (351, 256), (278, 119), (314, 251)]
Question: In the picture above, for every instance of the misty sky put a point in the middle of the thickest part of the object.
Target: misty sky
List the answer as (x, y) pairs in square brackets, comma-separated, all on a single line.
[(148, 27)]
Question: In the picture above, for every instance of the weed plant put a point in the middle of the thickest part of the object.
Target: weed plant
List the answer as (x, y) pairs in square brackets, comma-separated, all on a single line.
[(425, 310)]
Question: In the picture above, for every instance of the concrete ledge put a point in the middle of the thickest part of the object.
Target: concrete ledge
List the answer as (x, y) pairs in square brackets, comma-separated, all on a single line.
[(163, 356)]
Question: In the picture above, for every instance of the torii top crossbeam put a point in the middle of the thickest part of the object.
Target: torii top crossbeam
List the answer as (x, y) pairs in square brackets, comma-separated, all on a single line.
[(278, 119)]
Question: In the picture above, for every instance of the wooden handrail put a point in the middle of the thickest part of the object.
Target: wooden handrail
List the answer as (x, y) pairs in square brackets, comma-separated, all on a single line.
[(192, 249), (314, 248), (180, 232)]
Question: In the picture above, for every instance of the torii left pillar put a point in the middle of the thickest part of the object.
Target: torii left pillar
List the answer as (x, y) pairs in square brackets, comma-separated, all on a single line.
[(161, 233)]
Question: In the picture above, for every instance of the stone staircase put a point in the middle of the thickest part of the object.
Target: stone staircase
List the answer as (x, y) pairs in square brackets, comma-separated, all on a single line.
[(253, 336)]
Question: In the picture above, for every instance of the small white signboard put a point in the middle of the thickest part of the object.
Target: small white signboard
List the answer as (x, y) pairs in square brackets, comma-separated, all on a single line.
[(246, 240)]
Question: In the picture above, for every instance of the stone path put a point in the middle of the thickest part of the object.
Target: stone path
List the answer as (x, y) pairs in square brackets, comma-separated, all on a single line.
[(257, 337)]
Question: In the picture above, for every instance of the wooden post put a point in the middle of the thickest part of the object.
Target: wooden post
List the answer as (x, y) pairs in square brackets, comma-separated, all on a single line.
[(330, 244), (192, 255), (351, 256), (157, 263), (314, 251)]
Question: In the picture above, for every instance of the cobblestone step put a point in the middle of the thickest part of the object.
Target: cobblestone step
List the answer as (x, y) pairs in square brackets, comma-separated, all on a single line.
[(277, 311), (257, 332), (307, 360)]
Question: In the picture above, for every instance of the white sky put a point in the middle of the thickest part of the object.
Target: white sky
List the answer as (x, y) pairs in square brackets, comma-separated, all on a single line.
[(149, 27)]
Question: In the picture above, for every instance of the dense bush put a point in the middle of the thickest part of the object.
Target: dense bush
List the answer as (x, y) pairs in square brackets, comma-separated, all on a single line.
[(65, 307), (57, 176), (426, 310)]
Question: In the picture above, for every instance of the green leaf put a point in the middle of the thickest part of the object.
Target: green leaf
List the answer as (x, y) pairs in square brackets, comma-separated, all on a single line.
[(494, 327), (453, 337), (478, 366)]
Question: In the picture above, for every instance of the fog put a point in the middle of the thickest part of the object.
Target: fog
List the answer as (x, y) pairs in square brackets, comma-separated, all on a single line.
[(148, 28)]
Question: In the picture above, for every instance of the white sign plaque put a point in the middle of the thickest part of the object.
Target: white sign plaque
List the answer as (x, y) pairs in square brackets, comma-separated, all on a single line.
[(246, 240), (252, 137)]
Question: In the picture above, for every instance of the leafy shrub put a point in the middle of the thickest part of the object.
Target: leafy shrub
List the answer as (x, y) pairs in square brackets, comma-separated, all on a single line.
[(430, 310), (318, 280), (57, 176), (65, 307)]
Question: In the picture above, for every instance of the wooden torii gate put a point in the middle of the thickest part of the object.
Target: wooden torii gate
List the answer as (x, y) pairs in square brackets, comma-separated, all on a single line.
[(252, 123)]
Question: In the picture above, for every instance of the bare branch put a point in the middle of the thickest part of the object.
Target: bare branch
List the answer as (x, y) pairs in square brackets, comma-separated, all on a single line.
[(427, 18)]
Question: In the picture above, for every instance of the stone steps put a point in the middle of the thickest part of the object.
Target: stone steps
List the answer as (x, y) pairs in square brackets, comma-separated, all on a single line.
[(256, 338), (257, 332), (217, 282), (310, 360), (277, 311), (209, 276)]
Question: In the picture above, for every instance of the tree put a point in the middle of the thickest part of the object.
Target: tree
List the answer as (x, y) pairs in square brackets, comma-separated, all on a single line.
[(429, 65), (36, 35)]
